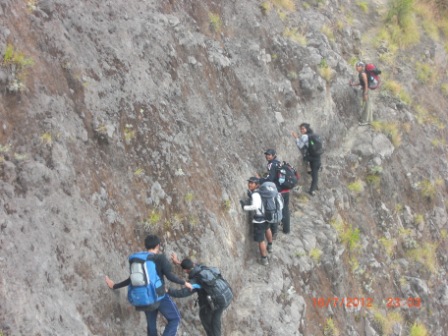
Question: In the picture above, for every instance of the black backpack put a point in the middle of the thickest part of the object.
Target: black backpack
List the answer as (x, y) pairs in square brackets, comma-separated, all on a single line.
[(219, 292), (315, 145), (287, 176)]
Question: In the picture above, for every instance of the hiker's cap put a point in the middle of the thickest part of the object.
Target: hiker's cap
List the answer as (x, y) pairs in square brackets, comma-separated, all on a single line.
[(254, 179), (270, 152), (360, 64)]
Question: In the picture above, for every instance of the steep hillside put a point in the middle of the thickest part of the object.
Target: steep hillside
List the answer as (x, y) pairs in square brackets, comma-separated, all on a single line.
[(123, 118)]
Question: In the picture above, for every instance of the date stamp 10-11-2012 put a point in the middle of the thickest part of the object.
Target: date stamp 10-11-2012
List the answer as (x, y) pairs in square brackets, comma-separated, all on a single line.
[(365, 302)]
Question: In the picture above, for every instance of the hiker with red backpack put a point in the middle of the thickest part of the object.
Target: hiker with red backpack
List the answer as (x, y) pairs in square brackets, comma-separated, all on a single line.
[(368, 79)]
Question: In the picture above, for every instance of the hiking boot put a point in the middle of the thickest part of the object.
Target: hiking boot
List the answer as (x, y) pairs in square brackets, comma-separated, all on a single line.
[(264, 261), (312, 193), (269, 248)]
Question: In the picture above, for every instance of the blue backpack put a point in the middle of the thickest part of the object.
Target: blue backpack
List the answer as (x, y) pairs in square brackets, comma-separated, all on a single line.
[(146, 289)]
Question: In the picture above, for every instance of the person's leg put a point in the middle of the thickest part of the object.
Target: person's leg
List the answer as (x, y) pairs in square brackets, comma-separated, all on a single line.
[(151, 320), (216, 322), (274, 230), (369, 112), (268, 235), (205, 316), (169, 310), (366, 112), (285, 213), (315, 165)]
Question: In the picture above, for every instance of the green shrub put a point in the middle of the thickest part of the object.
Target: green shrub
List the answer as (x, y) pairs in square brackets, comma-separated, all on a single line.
[(418, 329), (215, 22), (295, 35), (429, 188), (363, 5), (426, 255), (315, 254), (328, 32), (425, 73), (12, 56), (388, 244), (189, 197), (287, 5), (330, 328), (400, 11), (356, 187), (351, 237)]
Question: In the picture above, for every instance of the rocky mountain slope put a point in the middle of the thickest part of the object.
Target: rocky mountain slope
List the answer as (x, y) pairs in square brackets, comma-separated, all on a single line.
[(123, 118)]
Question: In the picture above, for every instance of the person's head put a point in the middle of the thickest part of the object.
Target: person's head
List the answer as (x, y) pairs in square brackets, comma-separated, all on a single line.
[(151, 242), (359, 66), (305, 128), (187, 265), (253, 183), (270, 154)]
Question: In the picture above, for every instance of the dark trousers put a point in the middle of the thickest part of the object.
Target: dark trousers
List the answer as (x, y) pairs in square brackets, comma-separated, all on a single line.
[(169, 310), (285, 212), (211, 320), (315, 166)]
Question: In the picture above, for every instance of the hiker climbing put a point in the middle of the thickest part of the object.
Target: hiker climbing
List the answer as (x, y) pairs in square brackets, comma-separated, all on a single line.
[(147, 267), (260, 225), (368, 80), (214, 293), (310, 145), (273, 167)]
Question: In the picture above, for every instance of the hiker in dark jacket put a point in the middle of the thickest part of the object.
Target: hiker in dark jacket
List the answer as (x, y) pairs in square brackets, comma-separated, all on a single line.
[(272, 166), (302, 143), (210, 316), (167, 306)]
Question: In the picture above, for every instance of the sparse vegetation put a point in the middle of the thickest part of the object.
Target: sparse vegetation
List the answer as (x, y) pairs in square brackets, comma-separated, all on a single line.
[(388, 244), (328, 32), (189, 197), (46, 138), (418, 329), (153, 219), (295, 35), (129, 133), (356, 187), (226, 204), (349, 237), (425, 73), (325, 71), (390, 129), (419, 219), (363, 5), (425, 255), (428, 188), (397, 91), (330, 328), (17, 63), (384, 323), (31, 5), (215, 22), (315, 254), (139, 172), (287, 5)]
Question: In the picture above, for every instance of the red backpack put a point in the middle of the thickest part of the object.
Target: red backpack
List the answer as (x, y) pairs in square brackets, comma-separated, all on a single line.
[(373, 77)]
